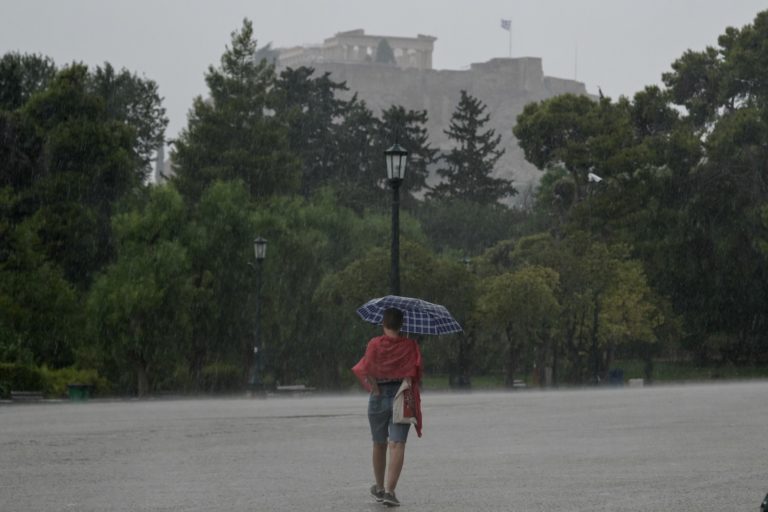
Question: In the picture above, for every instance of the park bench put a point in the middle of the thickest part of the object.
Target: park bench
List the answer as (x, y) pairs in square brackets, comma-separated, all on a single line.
[(294, 388), (26, 396)]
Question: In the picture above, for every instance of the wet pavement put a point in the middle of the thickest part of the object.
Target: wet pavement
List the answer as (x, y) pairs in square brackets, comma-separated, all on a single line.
[(679, 448)]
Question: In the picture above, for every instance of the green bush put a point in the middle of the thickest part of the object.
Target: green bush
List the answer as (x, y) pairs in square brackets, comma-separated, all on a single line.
[(180, 380), (222, 377), (55, 382), (17, 377)]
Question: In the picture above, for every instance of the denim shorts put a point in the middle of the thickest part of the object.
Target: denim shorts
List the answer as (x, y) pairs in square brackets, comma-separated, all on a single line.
[(380, 416)]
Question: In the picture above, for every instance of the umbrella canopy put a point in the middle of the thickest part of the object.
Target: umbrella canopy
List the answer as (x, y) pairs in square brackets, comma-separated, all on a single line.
[(419, 316)]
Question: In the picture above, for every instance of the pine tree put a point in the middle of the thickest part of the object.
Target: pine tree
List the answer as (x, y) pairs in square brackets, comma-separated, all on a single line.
[(233, 134), (468, 167), (384, 53), (408, 129), (311, 108)]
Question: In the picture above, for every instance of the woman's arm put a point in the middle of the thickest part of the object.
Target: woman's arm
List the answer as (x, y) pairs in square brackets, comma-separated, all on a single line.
[(374, 385)]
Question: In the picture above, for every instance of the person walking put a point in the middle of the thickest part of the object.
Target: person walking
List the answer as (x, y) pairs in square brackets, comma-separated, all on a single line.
[(389, 359)]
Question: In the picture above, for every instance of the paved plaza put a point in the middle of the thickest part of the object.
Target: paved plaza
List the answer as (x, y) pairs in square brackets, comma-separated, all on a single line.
[(672, 449)]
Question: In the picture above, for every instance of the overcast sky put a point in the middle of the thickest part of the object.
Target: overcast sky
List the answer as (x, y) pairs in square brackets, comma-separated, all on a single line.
[(619, 45)]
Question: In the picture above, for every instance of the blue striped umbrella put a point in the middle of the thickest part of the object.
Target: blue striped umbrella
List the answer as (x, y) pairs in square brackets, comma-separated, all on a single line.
[(419, 316)]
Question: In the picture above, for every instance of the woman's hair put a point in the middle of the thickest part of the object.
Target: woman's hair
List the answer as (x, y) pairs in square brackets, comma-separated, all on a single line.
[(393, 319)]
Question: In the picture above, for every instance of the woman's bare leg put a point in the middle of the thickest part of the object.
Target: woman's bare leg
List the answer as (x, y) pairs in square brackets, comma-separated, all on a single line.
[(396, 458), (379, 463)]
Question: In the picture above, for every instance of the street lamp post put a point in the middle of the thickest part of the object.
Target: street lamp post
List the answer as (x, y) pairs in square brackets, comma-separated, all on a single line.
[(462, 380), (260, 252), (397, 160)]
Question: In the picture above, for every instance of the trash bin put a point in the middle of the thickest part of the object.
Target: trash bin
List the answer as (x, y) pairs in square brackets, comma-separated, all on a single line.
[(79, 392), (616, 377)]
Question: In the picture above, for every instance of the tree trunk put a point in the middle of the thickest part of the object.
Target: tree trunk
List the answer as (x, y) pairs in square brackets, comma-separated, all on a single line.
[(555, 365), (509, 373), (595, 355), (142, 381), (648, 360)]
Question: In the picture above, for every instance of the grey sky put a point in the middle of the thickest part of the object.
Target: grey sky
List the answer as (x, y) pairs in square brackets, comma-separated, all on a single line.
[(620, 45)]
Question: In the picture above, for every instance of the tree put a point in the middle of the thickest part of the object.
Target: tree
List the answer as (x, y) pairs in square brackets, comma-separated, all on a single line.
[(470, 165), (440, 280), (631, 313), (468, 228), (360, 176), (232, 135), (138, 308), (87, 163), (720, 281), (218, 238), (67, 158), (384, 53), (40, 317), (314, 115), (136, 102), (581, 135), (21, 76), (407, 128), (21, 158), (128, 98), (310, 241), (523, 307)]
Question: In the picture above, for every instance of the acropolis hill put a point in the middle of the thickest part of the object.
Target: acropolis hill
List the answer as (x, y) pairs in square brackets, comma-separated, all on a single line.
[(505, 85)]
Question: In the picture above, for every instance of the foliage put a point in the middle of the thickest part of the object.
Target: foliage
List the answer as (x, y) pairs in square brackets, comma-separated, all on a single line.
[(137, 307), (222, 377), (136, 102), (21, 76), (56, 382), (422, 275), (683, 186), (128, 98), (407, 128), (384, 53), (313, 240), (156, 288), (218, 239), (358, 176), (19, 377), (468, 228), (231, 135), (341, 143), (86, 164), (522, 306), (579, 134), (314, 113), (39, 310), (469, 166)]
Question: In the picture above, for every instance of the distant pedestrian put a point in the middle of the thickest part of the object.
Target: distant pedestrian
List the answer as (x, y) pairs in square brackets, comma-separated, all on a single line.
[(388, 361)]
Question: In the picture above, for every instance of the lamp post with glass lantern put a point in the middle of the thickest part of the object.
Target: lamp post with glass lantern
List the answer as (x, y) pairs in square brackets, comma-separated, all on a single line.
[(397, 159), (260, 252)]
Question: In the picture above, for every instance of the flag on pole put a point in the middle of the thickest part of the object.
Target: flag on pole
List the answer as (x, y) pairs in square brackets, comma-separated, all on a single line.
[(506, 25)]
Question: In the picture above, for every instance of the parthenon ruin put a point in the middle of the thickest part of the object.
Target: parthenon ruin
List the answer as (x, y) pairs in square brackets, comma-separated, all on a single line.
[(355, 46)]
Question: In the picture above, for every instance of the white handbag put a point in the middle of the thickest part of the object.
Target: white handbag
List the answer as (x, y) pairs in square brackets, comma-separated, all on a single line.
[(403, 408)]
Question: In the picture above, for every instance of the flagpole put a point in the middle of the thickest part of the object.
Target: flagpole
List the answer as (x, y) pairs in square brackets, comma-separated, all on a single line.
[(507, 25), (575, 61)]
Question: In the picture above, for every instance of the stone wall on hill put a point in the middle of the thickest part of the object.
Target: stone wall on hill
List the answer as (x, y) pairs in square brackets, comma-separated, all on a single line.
[(505, 85)]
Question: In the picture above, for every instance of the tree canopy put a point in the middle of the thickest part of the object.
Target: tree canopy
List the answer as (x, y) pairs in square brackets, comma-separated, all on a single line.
[(468, 167), (647, 238)]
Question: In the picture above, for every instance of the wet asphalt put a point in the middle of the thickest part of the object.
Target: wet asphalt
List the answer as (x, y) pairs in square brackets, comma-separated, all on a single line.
[(677, 448)]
